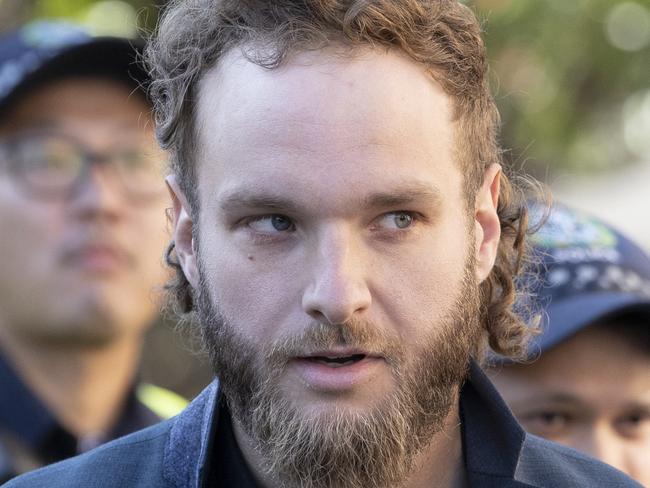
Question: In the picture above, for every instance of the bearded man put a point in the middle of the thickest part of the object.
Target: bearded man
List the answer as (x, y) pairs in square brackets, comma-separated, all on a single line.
[(346, 238)]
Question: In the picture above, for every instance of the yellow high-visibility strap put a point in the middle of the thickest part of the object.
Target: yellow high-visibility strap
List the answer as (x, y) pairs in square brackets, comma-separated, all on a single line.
[(162, 402)]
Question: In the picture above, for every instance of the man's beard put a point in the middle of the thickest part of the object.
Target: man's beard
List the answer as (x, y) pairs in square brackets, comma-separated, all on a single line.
[(341, 447)]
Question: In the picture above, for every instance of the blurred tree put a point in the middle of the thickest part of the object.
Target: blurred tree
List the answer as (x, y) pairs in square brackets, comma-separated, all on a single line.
[(572, 80), (117, 17)]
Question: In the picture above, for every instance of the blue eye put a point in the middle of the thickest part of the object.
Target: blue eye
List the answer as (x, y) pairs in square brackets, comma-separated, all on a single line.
[(403, 220), (281, 223), (272, 223), (396, 220)]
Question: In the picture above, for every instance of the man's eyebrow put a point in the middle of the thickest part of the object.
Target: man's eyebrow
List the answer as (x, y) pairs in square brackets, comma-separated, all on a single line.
[(46, 123), (403, 195), (39, 124), (545, 399), (251, 200)]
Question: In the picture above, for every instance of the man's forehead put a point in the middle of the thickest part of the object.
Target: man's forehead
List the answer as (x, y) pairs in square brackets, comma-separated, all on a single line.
[(382, 88), (324, 118)]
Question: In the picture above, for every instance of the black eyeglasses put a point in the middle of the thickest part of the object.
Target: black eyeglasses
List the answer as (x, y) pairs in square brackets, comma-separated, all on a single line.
[(52, 165)]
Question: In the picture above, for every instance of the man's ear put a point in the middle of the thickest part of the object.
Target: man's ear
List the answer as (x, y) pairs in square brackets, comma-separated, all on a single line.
[(182, 231), (487, 225)]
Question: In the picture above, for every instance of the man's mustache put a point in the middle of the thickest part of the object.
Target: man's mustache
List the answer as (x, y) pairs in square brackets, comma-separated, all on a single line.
[(357, 334)]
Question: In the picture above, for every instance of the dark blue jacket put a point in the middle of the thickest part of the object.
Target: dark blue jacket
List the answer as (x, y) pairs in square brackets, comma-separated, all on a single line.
[(497, 452)]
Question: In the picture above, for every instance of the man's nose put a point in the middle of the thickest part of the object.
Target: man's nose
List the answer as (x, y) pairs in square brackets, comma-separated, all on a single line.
[(338, 287), (97, 196)]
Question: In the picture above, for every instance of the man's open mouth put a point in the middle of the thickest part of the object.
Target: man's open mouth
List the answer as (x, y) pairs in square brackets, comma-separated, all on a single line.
[(336, 361)]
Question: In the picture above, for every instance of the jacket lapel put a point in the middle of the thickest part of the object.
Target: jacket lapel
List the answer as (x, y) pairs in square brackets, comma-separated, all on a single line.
[(188, 444), (492, 438)]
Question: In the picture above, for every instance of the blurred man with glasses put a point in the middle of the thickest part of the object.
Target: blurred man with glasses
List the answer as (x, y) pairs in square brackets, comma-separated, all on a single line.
[(82, 231)]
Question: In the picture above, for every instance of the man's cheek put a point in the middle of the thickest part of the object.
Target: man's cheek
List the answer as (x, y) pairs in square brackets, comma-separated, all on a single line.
[(260, 302)]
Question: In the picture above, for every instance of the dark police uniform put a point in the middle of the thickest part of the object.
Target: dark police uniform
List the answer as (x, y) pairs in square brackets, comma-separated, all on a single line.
[(30, 436), (197, 449)]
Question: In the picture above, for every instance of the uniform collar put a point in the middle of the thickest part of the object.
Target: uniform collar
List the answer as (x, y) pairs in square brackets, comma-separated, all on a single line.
[(28, 421), (22, 414)]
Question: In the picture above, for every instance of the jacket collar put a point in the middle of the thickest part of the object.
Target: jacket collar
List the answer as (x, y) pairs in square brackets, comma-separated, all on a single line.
[(186, 456), (492, 438)]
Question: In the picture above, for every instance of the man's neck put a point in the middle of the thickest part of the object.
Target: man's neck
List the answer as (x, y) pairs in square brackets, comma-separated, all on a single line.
[(83, 387), (439, 465)]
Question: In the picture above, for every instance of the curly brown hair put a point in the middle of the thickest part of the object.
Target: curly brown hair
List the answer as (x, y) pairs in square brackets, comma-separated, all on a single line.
[(442, 35)]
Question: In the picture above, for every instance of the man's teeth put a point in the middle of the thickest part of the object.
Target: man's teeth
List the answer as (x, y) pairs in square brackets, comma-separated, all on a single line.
[(337, 362), (334, 364)]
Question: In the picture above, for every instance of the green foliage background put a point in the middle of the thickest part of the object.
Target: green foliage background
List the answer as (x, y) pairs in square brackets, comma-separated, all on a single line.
[(560, 83)]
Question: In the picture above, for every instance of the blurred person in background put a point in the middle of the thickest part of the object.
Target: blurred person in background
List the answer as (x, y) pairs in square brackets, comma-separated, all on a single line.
[(588, 383), (82, 204)]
